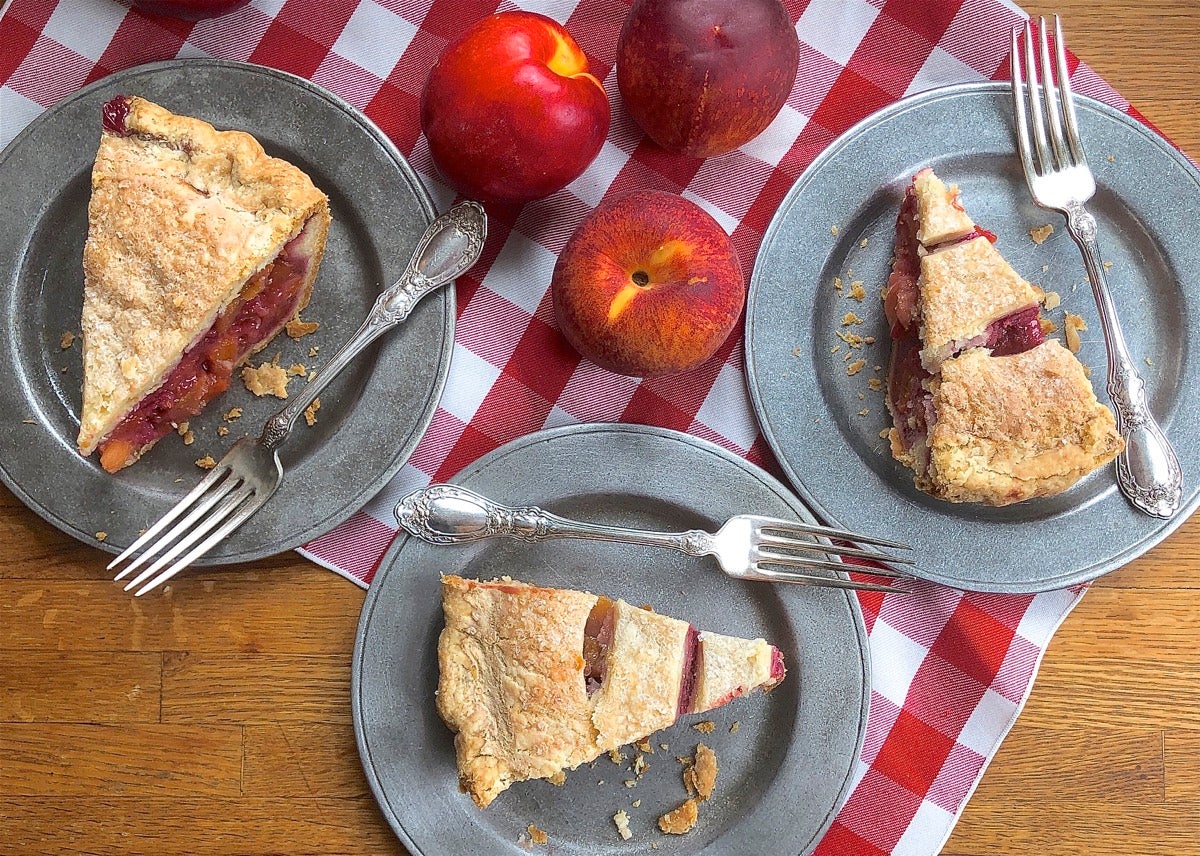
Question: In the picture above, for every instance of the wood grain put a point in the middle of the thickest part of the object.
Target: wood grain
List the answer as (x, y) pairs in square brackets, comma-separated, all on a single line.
[(213, 717)]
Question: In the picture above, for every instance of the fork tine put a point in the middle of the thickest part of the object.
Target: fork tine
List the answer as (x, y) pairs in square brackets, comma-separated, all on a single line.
[(227, 506), (1067, 98), (199, 550), (824, 582), (201, 508), (166, 519), (1039, 121), (796, 528), (794, 544), (760, 558), (1050, 97), (1021, 110)]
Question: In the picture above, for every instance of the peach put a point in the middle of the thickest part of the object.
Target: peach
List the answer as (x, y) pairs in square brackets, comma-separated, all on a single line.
[(649, 284), (510, 111), (702, 77)]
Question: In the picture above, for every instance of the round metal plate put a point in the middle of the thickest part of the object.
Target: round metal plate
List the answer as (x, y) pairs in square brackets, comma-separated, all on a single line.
[(785, 771), (371, 417), (824, 423)]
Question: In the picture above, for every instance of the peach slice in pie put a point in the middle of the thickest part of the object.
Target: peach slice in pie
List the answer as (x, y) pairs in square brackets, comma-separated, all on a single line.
[(200, 248), (984, 407), (536, 681)]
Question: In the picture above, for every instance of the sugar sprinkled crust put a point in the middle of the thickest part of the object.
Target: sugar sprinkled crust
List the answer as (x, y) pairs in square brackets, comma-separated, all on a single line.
[(181, 215), (1015, 427), (512, 686), (941, 216), (963, 289)]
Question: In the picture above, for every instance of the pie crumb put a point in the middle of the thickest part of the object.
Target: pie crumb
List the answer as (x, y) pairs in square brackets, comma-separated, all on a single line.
[(705, 727), (1047, 326), (312, 352), (863, 243), (206, 463), (644, 745), (621, 819), (1149, 361), (310, 412), (833, 230), (680, 820), (837, 283), (639, 765), (857, 291), (864, 412), (222, 430), (101, 536), (1072, 324), (850, 318), (1039, 234), (700, 777), (855, 367), (637, 803), (536, 835), (733, 729), (266, 379), (1051, 300), (297, 328), (67, 340), (232, 414), (189, 437), (615, 756), (297, 370)]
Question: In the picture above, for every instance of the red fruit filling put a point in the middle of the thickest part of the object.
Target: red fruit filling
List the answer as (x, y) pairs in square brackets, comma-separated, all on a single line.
[(778, 670), (113, 115), (268, 300), (1016, 333), (597, 637), (691, 668)]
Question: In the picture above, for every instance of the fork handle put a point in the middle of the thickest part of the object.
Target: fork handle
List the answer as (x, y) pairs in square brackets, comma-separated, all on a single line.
[(449, 246), (450, 514), (1148, 471)]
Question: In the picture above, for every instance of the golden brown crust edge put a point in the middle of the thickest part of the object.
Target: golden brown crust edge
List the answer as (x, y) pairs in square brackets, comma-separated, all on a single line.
[(1016, 427), (181, 215)]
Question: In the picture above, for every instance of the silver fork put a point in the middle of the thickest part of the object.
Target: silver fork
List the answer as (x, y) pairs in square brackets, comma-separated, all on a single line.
[(1060, 179), (747, 546), (250, 472)]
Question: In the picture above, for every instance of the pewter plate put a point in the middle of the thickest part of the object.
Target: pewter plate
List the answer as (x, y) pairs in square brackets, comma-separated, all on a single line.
[(785, 771), (371, 417), (824, 423)]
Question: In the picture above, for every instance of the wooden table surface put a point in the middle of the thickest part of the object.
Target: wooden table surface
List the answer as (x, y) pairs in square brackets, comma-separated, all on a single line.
[(215, 718)]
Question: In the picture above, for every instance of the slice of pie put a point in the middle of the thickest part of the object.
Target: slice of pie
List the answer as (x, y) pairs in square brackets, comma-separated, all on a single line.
[(200, 248), (536, 681), (984, 407)]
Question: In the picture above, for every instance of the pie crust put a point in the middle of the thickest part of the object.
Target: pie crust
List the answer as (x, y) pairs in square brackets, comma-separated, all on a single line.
[(984, 408), (512, 683), (182, 216)]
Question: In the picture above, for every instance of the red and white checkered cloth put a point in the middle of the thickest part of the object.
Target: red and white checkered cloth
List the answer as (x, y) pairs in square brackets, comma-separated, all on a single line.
[(950, 670)]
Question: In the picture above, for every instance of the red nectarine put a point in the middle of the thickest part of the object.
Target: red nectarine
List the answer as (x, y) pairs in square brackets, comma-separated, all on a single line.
[(648, 284), (703, 77), (510, 111)]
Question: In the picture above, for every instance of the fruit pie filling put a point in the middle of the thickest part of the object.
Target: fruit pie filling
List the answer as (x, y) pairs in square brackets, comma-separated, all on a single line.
[(908, 397), (267, 301), (598, 637)]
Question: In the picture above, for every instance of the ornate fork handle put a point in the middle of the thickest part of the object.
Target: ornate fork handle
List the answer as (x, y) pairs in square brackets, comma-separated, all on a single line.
[(1148, 470), (449, 514), (447, 249)]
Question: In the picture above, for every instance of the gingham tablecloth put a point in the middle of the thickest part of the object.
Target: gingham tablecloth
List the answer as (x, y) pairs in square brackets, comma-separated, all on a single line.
[(951, 670)]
